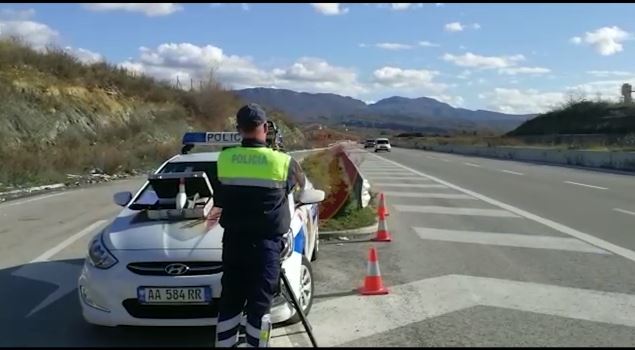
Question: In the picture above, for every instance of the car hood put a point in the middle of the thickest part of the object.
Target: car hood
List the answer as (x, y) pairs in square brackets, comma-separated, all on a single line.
[(132, 230)]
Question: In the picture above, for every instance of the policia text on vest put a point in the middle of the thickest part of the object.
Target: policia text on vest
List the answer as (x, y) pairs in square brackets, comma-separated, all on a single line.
[(253, 166)]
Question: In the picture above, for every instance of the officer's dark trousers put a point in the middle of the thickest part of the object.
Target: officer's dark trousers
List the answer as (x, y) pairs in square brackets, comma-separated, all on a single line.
[(251, 269)]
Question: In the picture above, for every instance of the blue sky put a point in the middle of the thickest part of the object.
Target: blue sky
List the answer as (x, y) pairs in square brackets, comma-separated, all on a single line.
[(515, 58)]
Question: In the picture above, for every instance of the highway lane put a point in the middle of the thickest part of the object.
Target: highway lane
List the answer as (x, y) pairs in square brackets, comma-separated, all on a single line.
[(461, 271), (558, 193), (476, 272)]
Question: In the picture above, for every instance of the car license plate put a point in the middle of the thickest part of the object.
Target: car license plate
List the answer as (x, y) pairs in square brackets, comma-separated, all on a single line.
[(174, 295)]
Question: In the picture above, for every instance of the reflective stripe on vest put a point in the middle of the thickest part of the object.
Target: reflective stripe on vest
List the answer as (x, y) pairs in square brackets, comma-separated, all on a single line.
[(253, 166)]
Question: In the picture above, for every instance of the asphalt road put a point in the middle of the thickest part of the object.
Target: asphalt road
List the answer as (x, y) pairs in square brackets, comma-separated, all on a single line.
[(484, 253)]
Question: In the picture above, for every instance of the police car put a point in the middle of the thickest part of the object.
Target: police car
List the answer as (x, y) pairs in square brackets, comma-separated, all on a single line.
[(158, 263)]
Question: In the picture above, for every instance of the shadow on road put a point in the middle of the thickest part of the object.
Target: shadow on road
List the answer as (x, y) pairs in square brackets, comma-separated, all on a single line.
[(59, 323)]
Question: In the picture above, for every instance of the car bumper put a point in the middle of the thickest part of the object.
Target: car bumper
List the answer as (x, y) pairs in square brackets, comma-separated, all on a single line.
[(109, 298)]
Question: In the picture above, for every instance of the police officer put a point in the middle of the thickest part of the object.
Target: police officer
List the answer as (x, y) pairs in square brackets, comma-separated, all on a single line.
[(255, 184)]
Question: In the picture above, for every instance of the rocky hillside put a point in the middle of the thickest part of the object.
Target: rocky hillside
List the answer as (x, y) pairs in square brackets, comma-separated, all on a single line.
[(59, 117)]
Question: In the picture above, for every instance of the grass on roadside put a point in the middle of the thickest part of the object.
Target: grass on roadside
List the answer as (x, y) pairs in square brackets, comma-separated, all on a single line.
[(319, 169), (352, 219)]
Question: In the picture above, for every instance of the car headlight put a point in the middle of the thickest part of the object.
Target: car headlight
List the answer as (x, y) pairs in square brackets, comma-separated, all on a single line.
[(99, 256), (287, 250)]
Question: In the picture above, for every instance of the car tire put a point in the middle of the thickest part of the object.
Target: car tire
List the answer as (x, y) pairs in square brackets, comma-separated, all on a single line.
[(306, 268), (316, 249)]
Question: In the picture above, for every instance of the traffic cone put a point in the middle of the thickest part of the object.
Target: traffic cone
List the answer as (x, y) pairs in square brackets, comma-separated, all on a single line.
[(382, 208), (373, 284), (382, 230)]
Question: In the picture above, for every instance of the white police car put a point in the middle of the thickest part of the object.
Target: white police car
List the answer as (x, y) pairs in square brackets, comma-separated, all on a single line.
[(159, 262)]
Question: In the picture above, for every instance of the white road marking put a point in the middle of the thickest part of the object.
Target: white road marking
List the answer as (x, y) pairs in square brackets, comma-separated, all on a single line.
[(58, 248), (425, 299), (427, 195), (61, 274), (394, 177), (401, 184), (623, 252), (389, 172), (471, 164), (508, 239), (591, 186), (11, 204), (431, 157), (430, 209), (280, 337), (511, 172), (624, 211), (446, 160)]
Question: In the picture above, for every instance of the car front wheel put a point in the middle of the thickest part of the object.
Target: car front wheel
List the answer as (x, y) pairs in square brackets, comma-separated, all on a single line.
[(305, 297)]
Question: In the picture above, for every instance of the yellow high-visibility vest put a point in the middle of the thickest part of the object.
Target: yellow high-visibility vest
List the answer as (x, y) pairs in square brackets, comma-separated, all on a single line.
[(253, 166)]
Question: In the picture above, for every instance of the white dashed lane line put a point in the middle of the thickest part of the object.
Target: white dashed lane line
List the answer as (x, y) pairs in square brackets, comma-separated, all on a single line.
[(585, 185), (512, 172), (472, 164), (624, 211)]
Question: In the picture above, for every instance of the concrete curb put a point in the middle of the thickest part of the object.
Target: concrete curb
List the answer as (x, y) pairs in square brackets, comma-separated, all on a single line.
[(354, 231)]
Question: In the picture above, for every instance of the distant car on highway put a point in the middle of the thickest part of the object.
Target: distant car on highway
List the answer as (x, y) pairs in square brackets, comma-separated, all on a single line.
[(370, 143), (382, 145), (159, 263)]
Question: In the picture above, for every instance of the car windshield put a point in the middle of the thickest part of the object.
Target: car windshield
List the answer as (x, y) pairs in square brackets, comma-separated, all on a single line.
[(148, 196), (382, 142)]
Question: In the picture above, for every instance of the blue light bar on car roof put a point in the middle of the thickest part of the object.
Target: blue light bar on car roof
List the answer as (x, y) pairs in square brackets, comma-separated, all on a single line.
[(212, 138)]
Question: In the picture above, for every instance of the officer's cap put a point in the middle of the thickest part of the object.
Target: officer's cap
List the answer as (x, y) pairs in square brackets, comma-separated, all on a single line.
[(250, 115)]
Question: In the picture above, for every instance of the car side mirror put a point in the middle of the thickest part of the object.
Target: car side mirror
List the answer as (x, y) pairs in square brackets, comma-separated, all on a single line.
[(310, 196), (122, 198)]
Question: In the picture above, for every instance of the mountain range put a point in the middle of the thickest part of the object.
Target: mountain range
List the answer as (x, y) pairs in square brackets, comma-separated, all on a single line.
[(396, 113)]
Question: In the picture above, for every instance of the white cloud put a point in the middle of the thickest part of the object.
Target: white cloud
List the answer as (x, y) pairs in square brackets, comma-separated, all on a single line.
[(397, 77), (84, 55), (188, 61), (438, 4), (37, 35), (405, 6), (427, 44), (524, 70), (485, 62), (400, 6), (393, 46), (464, 74), (185, 60), (606, 40), (17, 15), (244, 6), (149, 9), (317, 75), (390, 80), (454, 27), (476, 26), (521, 101), (576, 40), (607, 73), (330, 9), (362, 45), (609, 89)]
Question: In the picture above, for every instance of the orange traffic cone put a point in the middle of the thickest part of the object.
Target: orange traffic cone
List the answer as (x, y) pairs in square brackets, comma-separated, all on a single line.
[(382, 208), (382, 230), (373, 284)]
